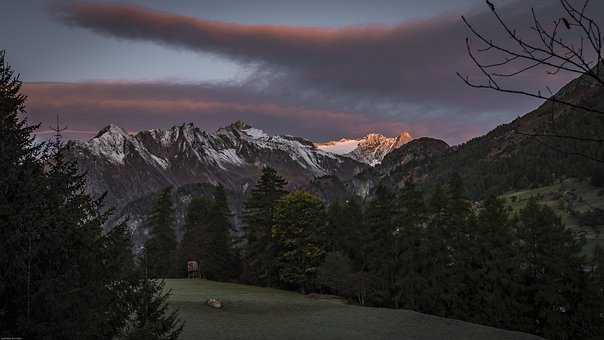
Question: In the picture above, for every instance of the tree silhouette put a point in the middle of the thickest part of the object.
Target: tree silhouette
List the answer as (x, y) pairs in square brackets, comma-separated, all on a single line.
[(572, 44)]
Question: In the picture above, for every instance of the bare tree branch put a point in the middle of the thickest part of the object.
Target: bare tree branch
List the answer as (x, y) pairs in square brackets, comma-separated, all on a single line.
[(580, 55)]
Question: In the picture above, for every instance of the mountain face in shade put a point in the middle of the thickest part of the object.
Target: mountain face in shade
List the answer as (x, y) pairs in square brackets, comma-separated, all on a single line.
[(130, 167), (522, 154), (370, 150)]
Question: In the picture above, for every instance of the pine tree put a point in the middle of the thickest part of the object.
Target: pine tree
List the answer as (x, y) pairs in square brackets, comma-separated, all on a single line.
[(459, 229), (218, 259), (50, 234), (436, 267), (335, 274), (260, 248), (299, 230), (382, 245), (160, 249), (196, 224), (552, 272), (410, 217), (346, 231), (61, 276), (151, 317), (492, 293), (335, 226), (140, 303), (21, 183)]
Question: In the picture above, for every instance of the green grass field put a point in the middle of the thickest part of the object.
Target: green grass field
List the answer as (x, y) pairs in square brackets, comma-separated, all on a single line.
[(262, 313)]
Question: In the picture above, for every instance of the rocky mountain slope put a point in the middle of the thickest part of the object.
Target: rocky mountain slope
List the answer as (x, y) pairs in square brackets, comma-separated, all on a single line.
[(370, 149), (520, 155), (130, 167)]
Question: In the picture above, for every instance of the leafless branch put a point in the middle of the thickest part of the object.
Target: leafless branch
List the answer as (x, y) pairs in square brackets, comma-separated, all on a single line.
[(579, 54)]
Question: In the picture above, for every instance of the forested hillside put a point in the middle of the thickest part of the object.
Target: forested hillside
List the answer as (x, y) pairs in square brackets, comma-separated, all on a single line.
[(523, 154)]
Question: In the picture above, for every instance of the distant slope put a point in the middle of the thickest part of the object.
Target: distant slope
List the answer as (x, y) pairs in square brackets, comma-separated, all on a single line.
[(506, 158), (263, 313), (570, 199)]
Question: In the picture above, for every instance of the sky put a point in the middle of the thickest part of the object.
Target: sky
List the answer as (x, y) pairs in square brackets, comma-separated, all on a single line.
[(320, 69)]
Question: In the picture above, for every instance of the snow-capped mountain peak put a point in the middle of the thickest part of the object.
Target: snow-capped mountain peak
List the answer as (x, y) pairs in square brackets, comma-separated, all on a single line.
[(132, 165), (255, 133), (370, 149)]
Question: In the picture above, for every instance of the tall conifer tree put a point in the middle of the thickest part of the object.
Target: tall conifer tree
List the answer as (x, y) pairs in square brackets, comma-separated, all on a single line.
[(382, 245), (410, 216), (300, 230), (553, 274), (61, 276), (160, 248), (493, 268), (261, 249), (218, 260), (196, 224)]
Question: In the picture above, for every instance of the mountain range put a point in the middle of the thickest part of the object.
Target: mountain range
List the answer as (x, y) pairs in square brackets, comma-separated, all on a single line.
[(130, 168)]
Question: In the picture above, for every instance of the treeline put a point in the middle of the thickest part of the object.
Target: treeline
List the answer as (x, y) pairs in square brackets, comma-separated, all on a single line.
[(439, 254), (207, 239), (61, 276)]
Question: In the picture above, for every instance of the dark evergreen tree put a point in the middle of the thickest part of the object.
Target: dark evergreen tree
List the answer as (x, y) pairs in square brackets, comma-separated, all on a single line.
[(553, 275), (151, 317), (141, 303), (590, 315), (218, 258), (299, 231), (437, 265), (335, 226), (260, 249), (356, 234), (21, 188), (61, 276), (207, 238), (410, 217), (459, 230), (160, 248), (196, 224), (382, 245), (51, 236), (346, 231), (335, 274), (494, 286)]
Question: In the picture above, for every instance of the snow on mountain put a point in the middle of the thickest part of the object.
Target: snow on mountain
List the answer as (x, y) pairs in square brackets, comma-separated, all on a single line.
[(340, 147), (255, 133), (130, 166), (370, 149)]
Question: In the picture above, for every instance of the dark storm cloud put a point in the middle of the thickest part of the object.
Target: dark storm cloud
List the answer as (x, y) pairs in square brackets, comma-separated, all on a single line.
[(135, 106), (372, 74), (86, 107), (413, 61)]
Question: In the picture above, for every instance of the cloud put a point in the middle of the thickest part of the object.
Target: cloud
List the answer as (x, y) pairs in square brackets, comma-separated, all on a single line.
[(135, 106), (328, 82), (414, 61), (87, 107)]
